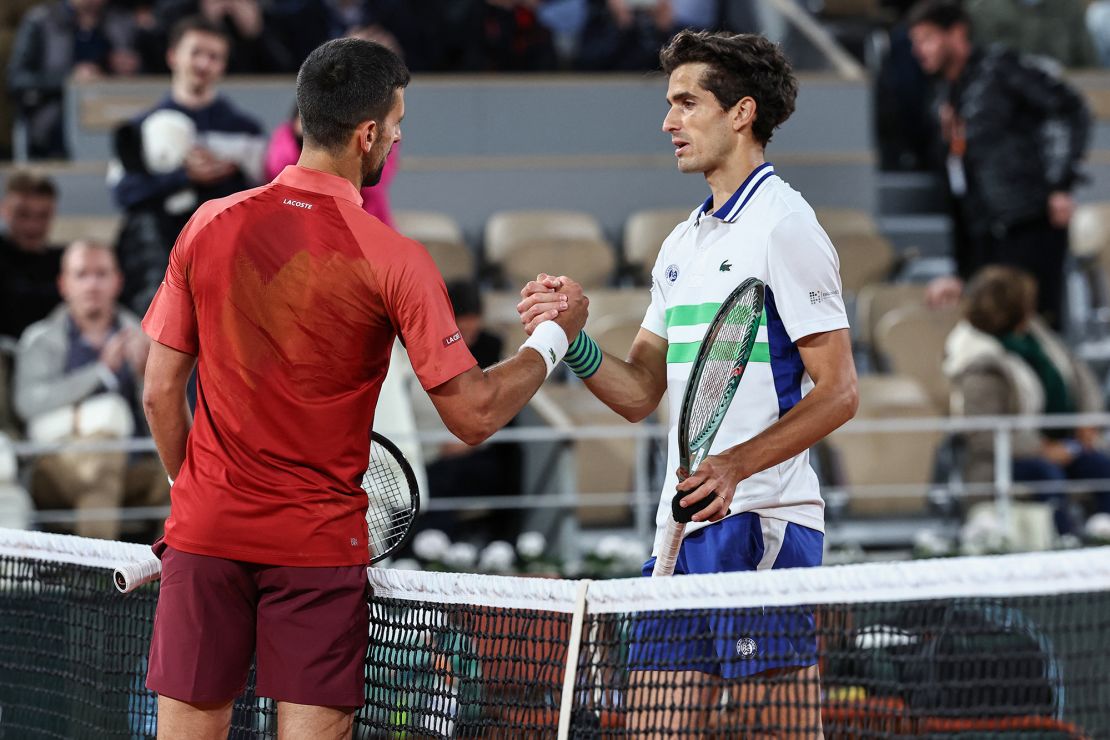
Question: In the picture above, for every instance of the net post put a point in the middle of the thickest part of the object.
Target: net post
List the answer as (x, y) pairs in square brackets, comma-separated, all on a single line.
[(574, 647)]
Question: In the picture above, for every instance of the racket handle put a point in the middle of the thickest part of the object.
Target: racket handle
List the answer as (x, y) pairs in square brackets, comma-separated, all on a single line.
[(668, 551), (129, 577)]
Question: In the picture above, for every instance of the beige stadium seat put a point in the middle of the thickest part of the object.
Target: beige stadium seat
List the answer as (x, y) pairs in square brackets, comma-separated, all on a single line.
[(887, 458), (589, 261), (500, 318), (877, 300), (1089, 233), (846, 221), (68, 229), (644, 232), (525, 243), (615, 334), (609, 307), (601, 465), (864, 259), (911, 341), (443, 238)]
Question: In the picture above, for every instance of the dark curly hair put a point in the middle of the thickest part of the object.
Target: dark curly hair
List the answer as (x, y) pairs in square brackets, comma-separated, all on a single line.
[(740, 65)]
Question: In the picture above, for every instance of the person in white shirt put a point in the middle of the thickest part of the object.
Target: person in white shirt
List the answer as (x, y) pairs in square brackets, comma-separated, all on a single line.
[(727, 94)]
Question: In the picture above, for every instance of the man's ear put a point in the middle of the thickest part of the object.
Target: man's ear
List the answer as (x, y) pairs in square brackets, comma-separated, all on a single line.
[(367, 134), (743, 113)]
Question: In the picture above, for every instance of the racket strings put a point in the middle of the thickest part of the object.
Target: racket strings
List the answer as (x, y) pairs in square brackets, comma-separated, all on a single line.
[(389, 513), (730, 344)]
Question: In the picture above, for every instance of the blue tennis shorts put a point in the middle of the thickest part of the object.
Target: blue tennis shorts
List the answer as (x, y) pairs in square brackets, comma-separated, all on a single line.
[(733, 643)]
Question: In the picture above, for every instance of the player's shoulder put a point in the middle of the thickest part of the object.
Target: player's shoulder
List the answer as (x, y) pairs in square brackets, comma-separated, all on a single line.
[(783, 205), (375, 237)]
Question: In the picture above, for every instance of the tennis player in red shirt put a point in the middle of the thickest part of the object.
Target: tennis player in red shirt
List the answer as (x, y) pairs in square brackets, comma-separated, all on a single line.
[(288, 298)]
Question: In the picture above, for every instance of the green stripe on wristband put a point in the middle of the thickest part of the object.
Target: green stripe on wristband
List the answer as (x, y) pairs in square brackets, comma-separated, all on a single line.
[(583, 357)]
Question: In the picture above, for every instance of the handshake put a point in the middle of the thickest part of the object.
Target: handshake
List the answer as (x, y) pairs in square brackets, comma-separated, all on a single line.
[(558, 299)]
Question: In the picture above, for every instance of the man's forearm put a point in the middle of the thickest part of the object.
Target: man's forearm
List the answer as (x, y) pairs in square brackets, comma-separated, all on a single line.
[(816, 416), (170, 421), (624, 387)]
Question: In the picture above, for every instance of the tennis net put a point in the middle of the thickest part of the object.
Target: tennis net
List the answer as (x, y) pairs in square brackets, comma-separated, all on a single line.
[(1007, 646)]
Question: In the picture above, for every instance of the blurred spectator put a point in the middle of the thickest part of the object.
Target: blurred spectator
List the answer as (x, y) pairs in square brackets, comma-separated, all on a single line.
[(256, 45), (11, 13), (29, 265), (1013, 136), (191, 147), (285, 149), (1098, 26), (81, 39), (1002, 360), (78, 378), (1051, 28), (455, 469), (514, 40), (625, 34)]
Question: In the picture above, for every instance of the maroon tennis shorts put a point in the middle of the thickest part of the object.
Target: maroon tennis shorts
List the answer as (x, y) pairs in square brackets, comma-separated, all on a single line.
[(309, 627)]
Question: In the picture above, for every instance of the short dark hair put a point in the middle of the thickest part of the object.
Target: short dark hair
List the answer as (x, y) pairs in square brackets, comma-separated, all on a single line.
[(999, 298), (466, 297), (343, 83), (197, 23), (29, 182), (740, 65), (943, 14)]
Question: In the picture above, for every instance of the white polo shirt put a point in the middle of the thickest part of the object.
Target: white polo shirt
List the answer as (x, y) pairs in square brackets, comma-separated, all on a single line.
[(765, 230)]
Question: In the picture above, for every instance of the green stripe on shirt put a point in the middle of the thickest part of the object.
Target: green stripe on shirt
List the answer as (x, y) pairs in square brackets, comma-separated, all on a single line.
[(688, 351), (692, 315)]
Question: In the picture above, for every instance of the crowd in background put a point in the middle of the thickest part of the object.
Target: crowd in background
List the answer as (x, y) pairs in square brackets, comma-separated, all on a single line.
[(74, 308)]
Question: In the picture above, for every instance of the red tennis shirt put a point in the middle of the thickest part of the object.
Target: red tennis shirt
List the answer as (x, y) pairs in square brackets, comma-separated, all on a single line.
[(291, 295)]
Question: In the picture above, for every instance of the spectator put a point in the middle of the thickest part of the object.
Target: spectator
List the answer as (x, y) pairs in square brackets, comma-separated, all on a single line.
[(78, 377), (453, 468), (624, 35), (285, 149), (513, 39), (1002, 359), (78, 38), (191, 147), (1051, 28), (256, 43), (29, 265), (11, 13), (1013, 134)]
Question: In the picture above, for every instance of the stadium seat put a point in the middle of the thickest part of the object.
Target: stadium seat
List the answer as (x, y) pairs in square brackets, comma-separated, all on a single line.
[(609, 307), (522, 244), (644, 232), (885, 458), (441, 236), (615, 333), (873, 303), (911, 342), (864, 259), (68, 229), (600, 465), (837, 221)]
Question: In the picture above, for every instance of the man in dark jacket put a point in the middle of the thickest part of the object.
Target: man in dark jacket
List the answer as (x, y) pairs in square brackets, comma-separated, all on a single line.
[(207, 149), (1014, 134)]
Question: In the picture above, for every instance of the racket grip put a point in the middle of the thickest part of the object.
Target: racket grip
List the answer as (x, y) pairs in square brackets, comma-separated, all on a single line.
[(133, 575), (668, 551)]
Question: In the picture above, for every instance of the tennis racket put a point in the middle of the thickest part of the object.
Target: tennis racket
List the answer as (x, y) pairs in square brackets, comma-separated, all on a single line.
[(718, 368), (393, 501)]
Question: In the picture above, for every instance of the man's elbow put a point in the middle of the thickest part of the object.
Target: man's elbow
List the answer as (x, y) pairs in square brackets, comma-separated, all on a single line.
[(474, 429), (156, 397), (848, 401)]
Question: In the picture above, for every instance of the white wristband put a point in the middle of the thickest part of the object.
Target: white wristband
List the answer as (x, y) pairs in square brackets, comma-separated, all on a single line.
[(550, 341)]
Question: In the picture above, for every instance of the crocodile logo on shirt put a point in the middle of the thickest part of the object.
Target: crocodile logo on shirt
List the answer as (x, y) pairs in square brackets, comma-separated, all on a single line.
[(725, 266)]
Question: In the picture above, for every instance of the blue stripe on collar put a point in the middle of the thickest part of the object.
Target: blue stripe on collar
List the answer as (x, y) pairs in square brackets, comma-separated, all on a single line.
[(730, 211), (765, 173)]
